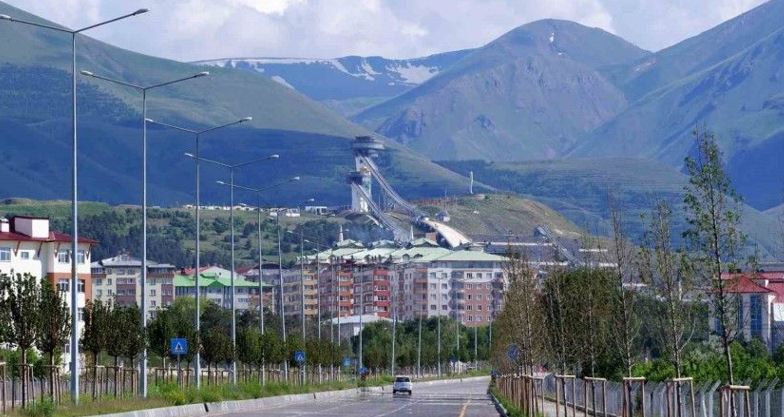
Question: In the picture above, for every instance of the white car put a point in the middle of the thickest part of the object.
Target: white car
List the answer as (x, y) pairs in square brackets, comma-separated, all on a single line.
[(402, 384)]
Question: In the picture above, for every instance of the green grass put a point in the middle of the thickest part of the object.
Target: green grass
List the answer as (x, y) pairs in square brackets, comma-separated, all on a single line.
[(496, 214), (167, 395)]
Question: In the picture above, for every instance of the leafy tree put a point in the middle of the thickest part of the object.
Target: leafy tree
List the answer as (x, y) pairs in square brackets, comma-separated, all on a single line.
[(713, 234), (116, 334), (95, 333), (55, 326), (136, 338), (24, 301)]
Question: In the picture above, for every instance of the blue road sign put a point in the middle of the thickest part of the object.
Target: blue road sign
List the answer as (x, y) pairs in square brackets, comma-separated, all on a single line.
[(299, 356), (347, 361), (513, 352), (178, 346), (363, 371)]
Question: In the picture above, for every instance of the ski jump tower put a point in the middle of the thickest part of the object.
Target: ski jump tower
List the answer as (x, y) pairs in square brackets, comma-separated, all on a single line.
[(361, 180)]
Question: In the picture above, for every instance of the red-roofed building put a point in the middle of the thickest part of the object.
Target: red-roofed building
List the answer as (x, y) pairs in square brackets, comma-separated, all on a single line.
[(760, 306), (27, 246)]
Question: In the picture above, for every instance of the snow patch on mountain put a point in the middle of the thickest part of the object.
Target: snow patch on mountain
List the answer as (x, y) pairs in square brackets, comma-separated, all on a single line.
[(282, 81), (412, 73)]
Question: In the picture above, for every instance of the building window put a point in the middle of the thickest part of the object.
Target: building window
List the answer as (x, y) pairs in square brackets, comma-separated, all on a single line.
[(99, 293), (470, 318), (152, 293), (63, 285), (755, 302), (443, 307), (444, 286), (5, 254), (24, 255), (81, 257), (479, 307), (432, 306), (81, 286), (62, 256)]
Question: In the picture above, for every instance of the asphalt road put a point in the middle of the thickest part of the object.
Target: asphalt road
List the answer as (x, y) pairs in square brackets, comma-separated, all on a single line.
[(467, 399)]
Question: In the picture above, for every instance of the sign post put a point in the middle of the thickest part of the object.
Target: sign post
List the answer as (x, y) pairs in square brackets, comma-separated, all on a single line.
[(178, 347)]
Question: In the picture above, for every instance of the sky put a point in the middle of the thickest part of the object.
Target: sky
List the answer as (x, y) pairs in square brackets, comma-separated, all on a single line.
[(190, 30)]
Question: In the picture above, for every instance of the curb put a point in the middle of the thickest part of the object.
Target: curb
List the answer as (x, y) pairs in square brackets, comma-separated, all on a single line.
[(501, 410)]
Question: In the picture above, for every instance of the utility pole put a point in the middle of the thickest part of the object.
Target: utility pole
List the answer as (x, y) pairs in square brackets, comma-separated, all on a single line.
[(394, 318)]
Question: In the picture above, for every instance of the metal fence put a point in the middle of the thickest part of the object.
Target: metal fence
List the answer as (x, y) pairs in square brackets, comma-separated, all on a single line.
[(22, 387), (566, 396)]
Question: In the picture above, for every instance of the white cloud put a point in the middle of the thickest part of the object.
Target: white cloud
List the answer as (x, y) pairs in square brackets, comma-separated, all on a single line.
[(202, 29)]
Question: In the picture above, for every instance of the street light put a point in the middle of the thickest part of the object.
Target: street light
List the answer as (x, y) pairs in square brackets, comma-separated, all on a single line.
[(144, 89), (74, 187), (231, 168), (259, 192), (197, 134)]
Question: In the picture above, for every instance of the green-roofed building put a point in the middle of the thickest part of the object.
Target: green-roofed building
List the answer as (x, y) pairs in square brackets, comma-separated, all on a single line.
[(217, 288)]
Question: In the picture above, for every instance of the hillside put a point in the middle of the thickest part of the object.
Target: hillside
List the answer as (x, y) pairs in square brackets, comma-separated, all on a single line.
[(529, 94), (347, 84), (728, 79), (700, 52), (741, 99), (580, 190), (500, 214), (171, 231), (35, 126)]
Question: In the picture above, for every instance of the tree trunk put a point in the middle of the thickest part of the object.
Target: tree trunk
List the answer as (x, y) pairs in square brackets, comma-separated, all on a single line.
[(51, 375), (116, 367), (95, 375)]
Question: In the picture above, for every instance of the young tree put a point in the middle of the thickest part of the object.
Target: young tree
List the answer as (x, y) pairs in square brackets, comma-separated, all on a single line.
[(522, 314), (249, 349), (713, 234), (116, 333), (5, 311), (136, 338), (160, 331), (94, 335), (669, 274), (24, 301), (55, 327), (624, 323)]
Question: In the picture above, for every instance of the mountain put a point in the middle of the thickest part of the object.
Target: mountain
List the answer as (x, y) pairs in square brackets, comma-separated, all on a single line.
[(349, 83), (700, 52), (312, 140), (529, 94), (739, 96), (580, 190)]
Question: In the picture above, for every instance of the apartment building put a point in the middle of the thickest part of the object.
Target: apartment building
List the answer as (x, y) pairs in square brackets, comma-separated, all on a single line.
[(27, 245), (217, 289), (117, 280), (420, 279), (372, 290)]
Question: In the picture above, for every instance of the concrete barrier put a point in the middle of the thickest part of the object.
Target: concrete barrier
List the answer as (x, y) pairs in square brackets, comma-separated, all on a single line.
[(190, 410)]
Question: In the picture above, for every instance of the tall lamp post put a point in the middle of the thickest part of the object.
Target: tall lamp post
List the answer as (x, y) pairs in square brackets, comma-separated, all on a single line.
[(259, 192), (74, 187), (143, 90), (197, 134), (231, 168)]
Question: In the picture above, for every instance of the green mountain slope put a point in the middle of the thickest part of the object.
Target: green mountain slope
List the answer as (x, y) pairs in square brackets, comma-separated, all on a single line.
[(741, 99), (581, 190), (700, 52), (529, 94), (312, 140)]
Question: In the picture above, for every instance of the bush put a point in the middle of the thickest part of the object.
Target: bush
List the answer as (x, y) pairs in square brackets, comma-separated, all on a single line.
[(44, 408)]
